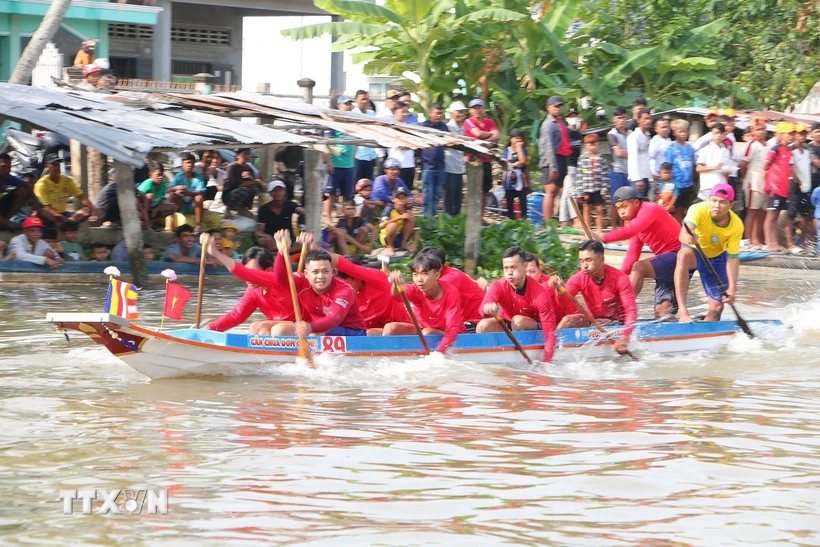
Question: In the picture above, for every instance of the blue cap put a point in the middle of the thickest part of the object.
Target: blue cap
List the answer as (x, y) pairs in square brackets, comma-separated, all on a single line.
[(476, 102)]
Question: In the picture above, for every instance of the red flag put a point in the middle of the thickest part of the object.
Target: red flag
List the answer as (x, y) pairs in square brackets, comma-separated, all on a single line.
[(176, 296)]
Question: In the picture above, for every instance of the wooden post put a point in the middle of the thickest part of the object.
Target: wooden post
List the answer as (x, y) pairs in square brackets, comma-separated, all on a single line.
[(266, 155), (474, 202), (97, 173), (79, 165), (131, 228), (306, 85), (314, 180)]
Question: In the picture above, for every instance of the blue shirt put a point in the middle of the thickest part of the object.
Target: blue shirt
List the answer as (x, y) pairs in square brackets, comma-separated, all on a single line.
[(9, 184), (432, 159), (815, 200), (173, 249), (196, 184), (366, 153), (682, 159), (383, 190)]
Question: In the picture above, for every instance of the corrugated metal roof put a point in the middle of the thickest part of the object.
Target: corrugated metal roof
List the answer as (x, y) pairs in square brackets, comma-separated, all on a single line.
[(126, 131)]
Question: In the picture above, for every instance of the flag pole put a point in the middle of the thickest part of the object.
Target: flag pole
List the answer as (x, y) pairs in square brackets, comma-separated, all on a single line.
[(200, 287), (162, 321)]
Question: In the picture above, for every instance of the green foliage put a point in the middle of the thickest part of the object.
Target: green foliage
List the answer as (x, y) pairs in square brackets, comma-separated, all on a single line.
[(448, 233)]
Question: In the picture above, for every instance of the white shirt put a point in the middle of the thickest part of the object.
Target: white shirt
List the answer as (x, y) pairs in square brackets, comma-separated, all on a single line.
[(23, 250), (637, 161), (711, 155), (657, 154), (801, 160), (755, 152), (406, 157)]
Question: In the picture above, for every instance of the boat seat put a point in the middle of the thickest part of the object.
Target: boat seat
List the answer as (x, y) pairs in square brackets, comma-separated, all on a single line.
[(24, 138)]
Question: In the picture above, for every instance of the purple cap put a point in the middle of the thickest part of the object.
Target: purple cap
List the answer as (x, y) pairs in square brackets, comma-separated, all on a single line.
[(723, 191)]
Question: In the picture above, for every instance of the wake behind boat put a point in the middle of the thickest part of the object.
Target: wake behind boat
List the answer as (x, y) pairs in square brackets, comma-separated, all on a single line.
[(192, 352)]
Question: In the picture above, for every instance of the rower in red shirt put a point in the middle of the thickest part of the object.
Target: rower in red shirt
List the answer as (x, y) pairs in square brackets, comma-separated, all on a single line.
[(561, 306), (437, 306), (372, 291), (650, 224), (607, 293), (520, 301), (470, 293), (329, 305), (273, 301)]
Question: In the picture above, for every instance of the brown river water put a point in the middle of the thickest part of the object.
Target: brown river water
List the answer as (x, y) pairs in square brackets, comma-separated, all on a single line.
[(703, 450)]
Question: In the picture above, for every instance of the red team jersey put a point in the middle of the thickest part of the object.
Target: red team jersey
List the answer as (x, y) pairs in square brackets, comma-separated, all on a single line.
[(375, 302), (612, 299), (469, 292), (533, 303), (652, 226), (273, 301), (561, 306), (443, 314)]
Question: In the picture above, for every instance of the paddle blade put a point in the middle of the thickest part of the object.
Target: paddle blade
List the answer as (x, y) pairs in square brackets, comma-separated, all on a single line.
[(305, 353), (744, 326)]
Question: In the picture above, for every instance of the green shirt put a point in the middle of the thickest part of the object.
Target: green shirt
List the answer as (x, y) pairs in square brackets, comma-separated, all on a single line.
[(148, 187), (345, 156), (71, 251)]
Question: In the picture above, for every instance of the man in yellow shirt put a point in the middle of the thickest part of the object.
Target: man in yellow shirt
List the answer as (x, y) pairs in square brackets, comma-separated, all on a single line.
[(719, 231), (54, 189)]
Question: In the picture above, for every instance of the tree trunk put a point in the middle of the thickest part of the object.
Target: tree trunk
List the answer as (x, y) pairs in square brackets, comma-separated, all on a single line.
[(474, 202), (44, 34), (314, 182), (97, 173), (131, 228)]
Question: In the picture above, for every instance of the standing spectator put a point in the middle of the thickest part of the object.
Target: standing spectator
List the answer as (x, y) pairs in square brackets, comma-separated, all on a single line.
[(390, 101), (566, 213), (516, 184), (777, 171), (54, 189), (187, 191), (714, 163), (681, 159), (241, 185), (365, 157), (85, 56), (620, 166), (30, 247), (405, 156), (454, 162), (479, 126), (815, 201), (406, 98), (555, 148), (277, 215), (709, 119), (433, 175), (658, 145), (814, 149), (638, 105), (341, 164), (592, 181), (13, 193), (799, 190), (752, 164), (637, 148)]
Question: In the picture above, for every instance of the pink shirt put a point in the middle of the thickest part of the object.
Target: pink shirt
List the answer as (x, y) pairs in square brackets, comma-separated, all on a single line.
[(612, 299), (483, 125), (777, 177), (652, 226)]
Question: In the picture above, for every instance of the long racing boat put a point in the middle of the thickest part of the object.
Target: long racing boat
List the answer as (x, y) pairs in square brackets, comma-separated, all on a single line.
[(193, 352)]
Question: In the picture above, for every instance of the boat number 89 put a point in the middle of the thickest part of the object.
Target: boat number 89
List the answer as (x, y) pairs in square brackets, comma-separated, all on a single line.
[(334, 344)]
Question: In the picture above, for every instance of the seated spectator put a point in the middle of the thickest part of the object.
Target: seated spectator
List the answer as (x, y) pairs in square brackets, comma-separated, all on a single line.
[(185, 249), (3, 247), (71, 250), (398, 225), (154, 190), (188, 191), (230, 232), (30, 247), (241, 184), (54, 189), (99, 252), (50, 237), (147, 252), (228, 249), (352, 235), (277, 215), (14, 193), (120, 252), (385, 185), (365, 206)]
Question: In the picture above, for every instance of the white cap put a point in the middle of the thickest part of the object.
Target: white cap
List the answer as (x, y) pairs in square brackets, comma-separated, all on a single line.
[(456, 106), (276, 184)]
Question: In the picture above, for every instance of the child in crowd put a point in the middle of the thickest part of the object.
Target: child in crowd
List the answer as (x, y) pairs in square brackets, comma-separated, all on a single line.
[(71, 249), (365, 207), (188, 189), (398, 225), (50, 237), (593, 181), (227, 248), (147, 252), (352, 235), (154, 190), (99, 252), (230, 232), (666, 188)]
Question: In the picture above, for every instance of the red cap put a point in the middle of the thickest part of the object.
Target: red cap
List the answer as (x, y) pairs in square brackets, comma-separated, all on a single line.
[(723, 191), (33, 222)]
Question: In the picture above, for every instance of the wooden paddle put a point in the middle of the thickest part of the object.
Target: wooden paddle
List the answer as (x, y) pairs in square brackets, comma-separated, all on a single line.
[(300, 268), (592, 321), (744, 326), (513, 339), (580, 216), (304, 345), (200, 287)]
